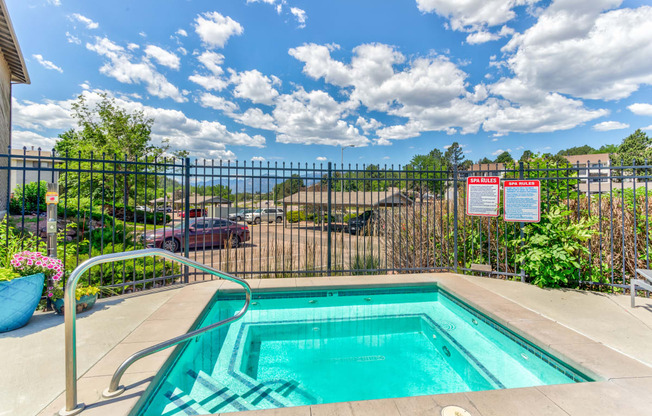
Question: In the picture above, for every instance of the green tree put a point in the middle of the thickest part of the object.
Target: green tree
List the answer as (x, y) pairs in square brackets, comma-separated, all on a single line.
[(424, 170), (527, 155), (608, 148), (110, 129), (287, 187), (113, 138), (504, 157), (454, 155), (634, 149), (558, 179), (577, 150), (485, 161)]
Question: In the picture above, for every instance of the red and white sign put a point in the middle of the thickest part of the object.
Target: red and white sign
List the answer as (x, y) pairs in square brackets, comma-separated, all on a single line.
[(522, 200), (482, 195), (51, 198)]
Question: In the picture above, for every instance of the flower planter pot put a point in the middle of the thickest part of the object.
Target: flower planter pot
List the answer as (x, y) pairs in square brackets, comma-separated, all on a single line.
[(83, 304), (18, 300)]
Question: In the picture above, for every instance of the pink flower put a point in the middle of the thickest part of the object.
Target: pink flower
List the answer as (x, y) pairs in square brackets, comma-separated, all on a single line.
[(50, 295)]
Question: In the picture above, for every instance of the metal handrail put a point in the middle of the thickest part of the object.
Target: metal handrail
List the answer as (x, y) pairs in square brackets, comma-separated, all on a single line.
[(642, 284), (72, 407)]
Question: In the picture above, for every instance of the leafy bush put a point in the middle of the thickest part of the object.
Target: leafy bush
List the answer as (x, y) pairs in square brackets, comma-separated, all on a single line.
[(295, 216), (33, 195), (555, 250)]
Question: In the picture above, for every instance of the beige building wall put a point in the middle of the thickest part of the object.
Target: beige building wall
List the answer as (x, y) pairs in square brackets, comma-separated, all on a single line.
[(5, 126)]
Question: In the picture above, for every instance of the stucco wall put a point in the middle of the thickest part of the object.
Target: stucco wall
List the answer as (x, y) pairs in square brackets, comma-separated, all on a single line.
[(5, 126)]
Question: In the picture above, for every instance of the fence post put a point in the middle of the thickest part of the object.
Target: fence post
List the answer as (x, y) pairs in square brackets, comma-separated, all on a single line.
[(520, 224), (328, 214), (455, 216), (186, 218)]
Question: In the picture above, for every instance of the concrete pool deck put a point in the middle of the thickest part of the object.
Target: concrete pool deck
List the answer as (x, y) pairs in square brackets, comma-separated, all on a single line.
[(596, 332)]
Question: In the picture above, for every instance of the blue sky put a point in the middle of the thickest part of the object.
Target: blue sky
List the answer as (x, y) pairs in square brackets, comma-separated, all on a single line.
[(297, 80)]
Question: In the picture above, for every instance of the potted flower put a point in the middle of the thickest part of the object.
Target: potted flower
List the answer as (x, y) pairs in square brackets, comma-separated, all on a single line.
[(85, 295), (21, 287)]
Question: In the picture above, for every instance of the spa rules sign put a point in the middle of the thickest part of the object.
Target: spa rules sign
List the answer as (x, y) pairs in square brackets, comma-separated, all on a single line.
[(522, 201), (482, 193)]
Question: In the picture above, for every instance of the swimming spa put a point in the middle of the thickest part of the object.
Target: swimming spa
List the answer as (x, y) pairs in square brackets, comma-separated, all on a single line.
[(309, 347)]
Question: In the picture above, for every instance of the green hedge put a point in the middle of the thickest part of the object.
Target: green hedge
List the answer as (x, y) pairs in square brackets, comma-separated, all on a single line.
[(295, 216)]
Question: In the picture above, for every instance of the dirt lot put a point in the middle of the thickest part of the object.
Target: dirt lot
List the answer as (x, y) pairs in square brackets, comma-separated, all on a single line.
[(278, 250)]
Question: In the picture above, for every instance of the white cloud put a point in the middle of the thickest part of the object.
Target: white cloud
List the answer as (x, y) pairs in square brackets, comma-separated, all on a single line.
[(215, 29), (254, 117), (575, 48), (300, 15), (37, 116), (484, 36), (181, 32), (72, 39), (322, 158), (642, 109), (500, 151), (433, 94), (200, 137), (29, 138), (429, 91), (133, 46), (209, 82), (121, 67), (163, 57), (472, 15), (610, 125), (257, 159), (212, 61), (254, 86), (217, 103), (314, 118), (261, 1), (368, 125), (648, 128), (85, 85), (90, 24), (529, 110), (47, 64), (55, 2)]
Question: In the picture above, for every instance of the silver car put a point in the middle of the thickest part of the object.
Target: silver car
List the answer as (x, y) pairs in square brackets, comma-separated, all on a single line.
[(264, 214)]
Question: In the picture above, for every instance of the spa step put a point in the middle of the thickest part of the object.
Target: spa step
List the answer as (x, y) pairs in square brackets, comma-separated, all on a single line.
[(258, 394), (182, 405), (215, 396)]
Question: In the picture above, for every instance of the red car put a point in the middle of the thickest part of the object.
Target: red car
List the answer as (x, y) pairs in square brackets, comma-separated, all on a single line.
[(195, 213), (203, 233)]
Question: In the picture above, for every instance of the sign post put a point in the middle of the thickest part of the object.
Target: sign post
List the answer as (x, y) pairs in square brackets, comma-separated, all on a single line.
[(482, 195), (522, 200), (52, 200)]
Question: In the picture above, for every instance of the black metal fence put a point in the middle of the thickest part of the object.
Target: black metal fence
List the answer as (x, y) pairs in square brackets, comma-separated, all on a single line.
[(313, 219)]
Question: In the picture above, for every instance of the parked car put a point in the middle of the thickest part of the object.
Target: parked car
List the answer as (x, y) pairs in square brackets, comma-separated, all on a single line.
[(143, 208), (362, 224), (195, 213), (203, 233), (264, 214), (240, 215), (164, 209)]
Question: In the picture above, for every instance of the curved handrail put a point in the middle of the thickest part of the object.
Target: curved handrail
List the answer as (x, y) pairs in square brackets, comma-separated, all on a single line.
[(72, 407)]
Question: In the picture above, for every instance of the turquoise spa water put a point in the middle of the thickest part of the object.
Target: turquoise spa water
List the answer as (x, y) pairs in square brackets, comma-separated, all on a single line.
[(300, 348)]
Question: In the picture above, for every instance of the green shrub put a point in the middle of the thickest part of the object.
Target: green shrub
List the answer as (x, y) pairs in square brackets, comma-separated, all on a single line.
[(33, 194), (555, 251), (295, 216)]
